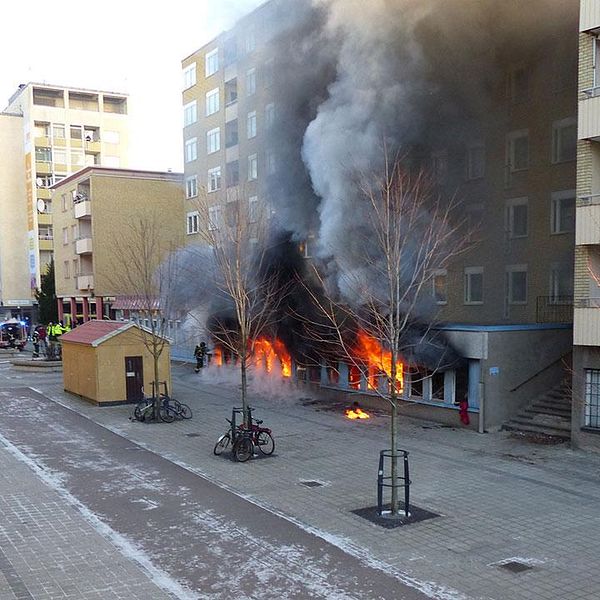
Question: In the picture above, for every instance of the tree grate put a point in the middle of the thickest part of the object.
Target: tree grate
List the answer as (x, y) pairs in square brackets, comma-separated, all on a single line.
[(515, 566), (311, 484)]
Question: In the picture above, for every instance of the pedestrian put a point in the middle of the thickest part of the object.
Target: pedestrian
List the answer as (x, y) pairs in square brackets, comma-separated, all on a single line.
[(200, 352), (35, 338), (41, 330)]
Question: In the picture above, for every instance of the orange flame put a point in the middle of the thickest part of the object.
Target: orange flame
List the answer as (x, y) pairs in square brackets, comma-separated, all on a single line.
[(357, 413), (378, 361), (266, 352), (218, 356)]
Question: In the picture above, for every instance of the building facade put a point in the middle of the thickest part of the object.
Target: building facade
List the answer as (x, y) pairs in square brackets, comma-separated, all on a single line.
[(61, 130), (506, 304), (585, 421), (112, 224)]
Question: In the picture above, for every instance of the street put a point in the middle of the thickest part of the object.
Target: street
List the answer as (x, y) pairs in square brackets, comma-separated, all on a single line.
[(152, 513)]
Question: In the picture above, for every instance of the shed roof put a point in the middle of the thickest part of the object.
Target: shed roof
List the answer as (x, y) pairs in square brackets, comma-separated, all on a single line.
[(94, 333)]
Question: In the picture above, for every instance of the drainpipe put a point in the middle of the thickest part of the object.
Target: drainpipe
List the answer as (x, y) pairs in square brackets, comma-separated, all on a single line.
[(481, 392)]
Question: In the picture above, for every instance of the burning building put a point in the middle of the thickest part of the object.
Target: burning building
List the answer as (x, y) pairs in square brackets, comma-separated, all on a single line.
[(297, 94)]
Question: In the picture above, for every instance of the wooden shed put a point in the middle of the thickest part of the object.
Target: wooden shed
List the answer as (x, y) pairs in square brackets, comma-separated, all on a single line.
[(107, 362)]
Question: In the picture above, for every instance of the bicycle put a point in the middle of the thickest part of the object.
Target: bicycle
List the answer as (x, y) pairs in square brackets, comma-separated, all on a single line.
[(144, 411), (244, 440), (179, 410)]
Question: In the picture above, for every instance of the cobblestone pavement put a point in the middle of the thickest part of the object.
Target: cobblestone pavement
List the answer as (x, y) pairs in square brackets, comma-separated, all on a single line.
[(501, 500)]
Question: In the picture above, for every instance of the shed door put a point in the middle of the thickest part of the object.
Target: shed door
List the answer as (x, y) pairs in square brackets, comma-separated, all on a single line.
[(134, 378)]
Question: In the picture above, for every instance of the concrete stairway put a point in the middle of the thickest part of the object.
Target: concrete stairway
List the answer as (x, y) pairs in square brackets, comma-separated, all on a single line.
[(549, 414)]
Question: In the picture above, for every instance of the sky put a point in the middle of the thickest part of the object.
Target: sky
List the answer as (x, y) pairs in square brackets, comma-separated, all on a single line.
[(120, 46)]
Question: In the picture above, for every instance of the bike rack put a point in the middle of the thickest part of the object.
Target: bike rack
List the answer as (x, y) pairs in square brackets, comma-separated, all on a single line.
[(382, 481)]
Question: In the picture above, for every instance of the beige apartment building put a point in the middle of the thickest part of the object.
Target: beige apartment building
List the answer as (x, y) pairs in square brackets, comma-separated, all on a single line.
[(97, 212), (506, 304), (47, 133), (586, 327)]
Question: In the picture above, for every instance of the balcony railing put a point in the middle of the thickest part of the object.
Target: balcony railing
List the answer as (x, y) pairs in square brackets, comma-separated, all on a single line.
[(554, 309), (83, 245), (85, 282)]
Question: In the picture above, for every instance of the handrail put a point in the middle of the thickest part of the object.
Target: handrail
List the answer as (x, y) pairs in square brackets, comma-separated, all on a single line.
[(520, 385)]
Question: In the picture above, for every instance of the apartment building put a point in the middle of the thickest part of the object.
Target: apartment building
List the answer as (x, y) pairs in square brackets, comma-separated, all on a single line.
[(101, 216), (506, 304), (585, 420), (60, 131), (227, 109)]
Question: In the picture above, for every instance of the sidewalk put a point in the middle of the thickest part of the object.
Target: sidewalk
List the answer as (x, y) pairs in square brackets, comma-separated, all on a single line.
[(49, 550), (500, 500)]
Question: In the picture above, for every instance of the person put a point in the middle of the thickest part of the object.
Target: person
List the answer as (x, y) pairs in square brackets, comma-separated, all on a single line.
[(200, 352), (35, 338), (41, 330)]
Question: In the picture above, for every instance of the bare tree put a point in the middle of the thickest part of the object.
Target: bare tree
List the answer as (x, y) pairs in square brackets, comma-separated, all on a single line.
[(246, 292), (385, 288), (143, 270)]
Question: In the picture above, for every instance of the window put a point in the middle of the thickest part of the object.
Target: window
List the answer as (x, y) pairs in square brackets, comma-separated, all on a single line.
[(474, 285), (517, 150), (75, 232), (193, 222), (252, 209), (214, 179), (77, 158), (271, 162), (440, 286), (475, 162), (213, 140), (66, 266), (439, 165), (43, 154), (189, 76), (191, 187), (250, 41), (268, 72), (230, 51), (517, 218), (564, 140), (517, 84), (516, 284), (561, 282), (75, 267), (251, 124), (252, 167), (592, 398), (269, 115), (231, 91), (76, 132), (211, 61), (111, 137), (232, 173), (65, 235), (231, 133), (59, 156), (58, 131), (563, 211), (63, 198), (212, 102), (191, 149), (190, 113), (596, 61), (250, 82), (214, 217), (41, 129), (474, 222)]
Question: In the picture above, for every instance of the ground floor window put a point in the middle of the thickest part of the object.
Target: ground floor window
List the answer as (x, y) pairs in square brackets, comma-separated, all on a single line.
[(592, 398)]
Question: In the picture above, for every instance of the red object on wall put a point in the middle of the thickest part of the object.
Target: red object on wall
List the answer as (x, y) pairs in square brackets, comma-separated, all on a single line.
[(463, 412)]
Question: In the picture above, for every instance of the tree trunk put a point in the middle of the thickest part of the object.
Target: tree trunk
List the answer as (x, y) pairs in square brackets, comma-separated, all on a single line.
[(243, 369), (155, 357), (393, 437)]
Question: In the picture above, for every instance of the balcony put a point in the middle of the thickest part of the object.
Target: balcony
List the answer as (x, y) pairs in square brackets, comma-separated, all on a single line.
[(44, 218), (589, 16), (43, 168), (45, 242), (92, 146), (588, 126), (82, 210), (586, 324), (587, 217), (554, 309), (83, 246), (44, 193), (85, 282)]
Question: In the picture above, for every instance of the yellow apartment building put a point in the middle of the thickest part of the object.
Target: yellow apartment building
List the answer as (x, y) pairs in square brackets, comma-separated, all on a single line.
[(586, 327), (96, 211), (60, 131)]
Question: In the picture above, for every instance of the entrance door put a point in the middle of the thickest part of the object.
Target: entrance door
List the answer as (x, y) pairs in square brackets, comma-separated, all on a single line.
[(134, 378)]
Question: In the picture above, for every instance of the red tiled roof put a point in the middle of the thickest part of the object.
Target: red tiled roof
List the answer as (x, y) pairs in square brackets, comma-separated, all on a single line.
[(91, 331), (135, 303)]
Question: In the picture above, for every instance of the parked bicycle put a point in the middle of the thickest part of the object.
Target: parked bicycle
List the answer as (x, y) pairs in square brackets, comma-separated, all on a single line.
[(243, 439), (145, 411), (179, 410)]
